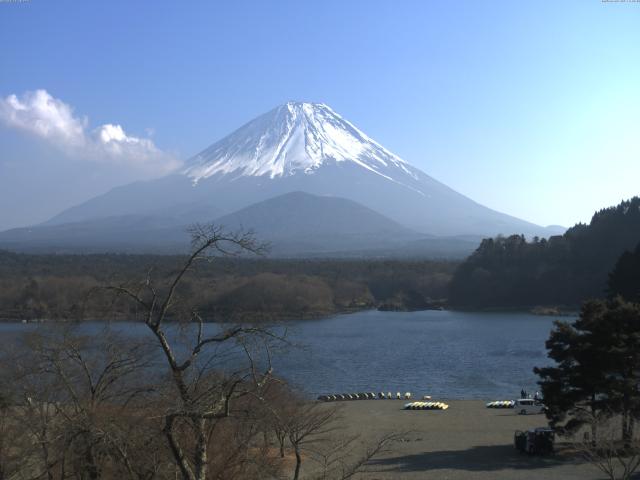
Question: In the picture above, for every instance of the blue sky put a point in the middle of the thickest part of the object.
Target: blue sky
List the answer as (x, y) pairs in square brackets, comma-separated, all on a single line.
[(531, 108)]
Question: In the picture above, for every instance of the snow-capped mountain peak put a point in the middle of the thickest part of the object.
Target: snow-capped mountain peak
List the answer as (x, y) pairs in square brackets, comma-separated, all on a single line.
[(294, 138), (308, 148)]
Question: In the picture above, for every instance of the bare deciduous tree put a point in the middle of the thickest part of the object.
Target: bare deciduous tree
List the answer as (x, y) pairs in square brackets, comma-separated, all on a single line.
[(308, 424), (76, 406), (346, 457), (314, 431), (199, 399)]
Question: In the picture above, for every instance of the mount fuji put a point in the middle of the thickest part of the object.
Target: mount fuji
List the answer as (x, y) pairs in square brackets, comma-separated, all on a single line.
[(297, 147)]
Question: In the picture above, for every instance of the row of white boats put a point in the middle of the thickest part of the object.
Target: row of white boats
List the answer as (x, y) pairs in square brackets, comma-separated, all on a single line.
[(426, 406), (502, 404), (367, 396)]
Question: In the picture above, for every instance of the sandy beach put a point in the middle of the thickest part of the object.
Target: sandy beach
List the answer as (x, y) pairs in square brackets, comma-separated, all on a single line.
[(467, 441)]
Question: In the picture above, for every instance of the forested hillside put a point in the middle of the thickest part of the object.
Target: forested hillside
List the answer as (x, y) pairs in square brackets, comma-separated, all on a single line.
[(624, 280), (562, 271), (69, 286)]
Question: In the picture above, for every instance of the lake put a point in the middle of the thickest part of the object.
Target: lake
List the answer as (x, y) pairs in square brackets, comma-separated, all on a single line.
[(446, 354)]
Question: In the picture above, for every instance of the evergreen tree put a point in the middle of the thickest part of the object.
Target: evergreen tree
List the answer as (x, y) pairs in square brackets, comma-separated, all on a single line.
[(574, 390), (624, 280), (597, 369), (618, 334)]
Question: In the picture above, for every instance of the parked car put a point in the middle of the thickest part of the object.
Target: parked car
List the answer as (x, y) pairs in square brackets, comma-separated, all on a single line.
[(525, 406), (538, 441)]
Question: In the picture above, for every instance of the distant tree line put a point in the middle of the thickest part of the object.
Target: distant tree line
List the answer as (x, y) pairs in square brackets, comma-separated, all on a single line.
[(562, 271), (67, 286)]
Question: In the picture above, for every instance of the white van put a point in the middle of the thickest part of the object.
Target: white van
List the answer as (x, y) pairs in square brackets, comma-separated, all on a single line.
[(525, 406)]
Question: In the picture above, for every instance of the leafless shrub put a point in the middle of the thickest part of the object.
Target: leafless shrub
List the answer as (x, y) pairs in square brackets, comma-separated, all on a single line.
[(615, 458)]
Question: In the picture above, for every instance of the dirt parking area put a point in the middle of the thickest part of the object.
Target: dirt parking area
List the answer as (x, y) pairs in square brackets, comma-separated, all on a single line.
[(468, 441)]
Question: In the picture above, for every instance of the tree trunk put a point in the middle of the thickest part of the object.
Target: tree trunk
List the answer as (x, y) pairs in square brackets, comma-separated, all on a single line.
[(626, 428), (201, 449), (92, 470), (296, 474), (176, 450), (45, 451), (594, 422)]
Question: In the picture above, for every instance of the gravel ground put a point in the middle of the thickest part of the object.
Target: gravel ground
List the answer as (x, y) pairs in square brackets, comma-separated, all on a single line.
[(467, 441)]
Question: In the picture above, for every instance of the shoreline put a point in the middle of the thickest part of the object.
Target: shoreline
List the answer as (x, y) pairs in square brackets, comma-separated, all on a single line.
[(252, 318)]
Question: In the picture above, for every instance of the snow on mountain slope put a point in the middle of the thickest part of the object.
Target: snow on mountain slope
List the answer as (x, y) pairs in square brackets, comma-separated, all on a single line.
[(296, 138)]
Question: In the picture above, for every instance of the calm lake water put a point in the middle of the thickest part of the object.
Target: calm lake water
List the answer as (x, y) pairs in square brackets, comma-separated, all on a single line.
[(445, 354)]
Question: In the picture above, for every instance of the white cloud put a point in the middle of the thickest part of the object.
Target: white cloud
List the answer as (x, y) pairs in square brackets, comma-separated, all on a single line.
[(41, 114), (53, 120)]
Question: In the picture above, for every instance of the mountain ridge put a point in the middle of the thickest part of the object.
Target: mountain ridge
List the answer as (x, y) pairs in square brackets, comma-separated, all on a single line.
[(295, 224)]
